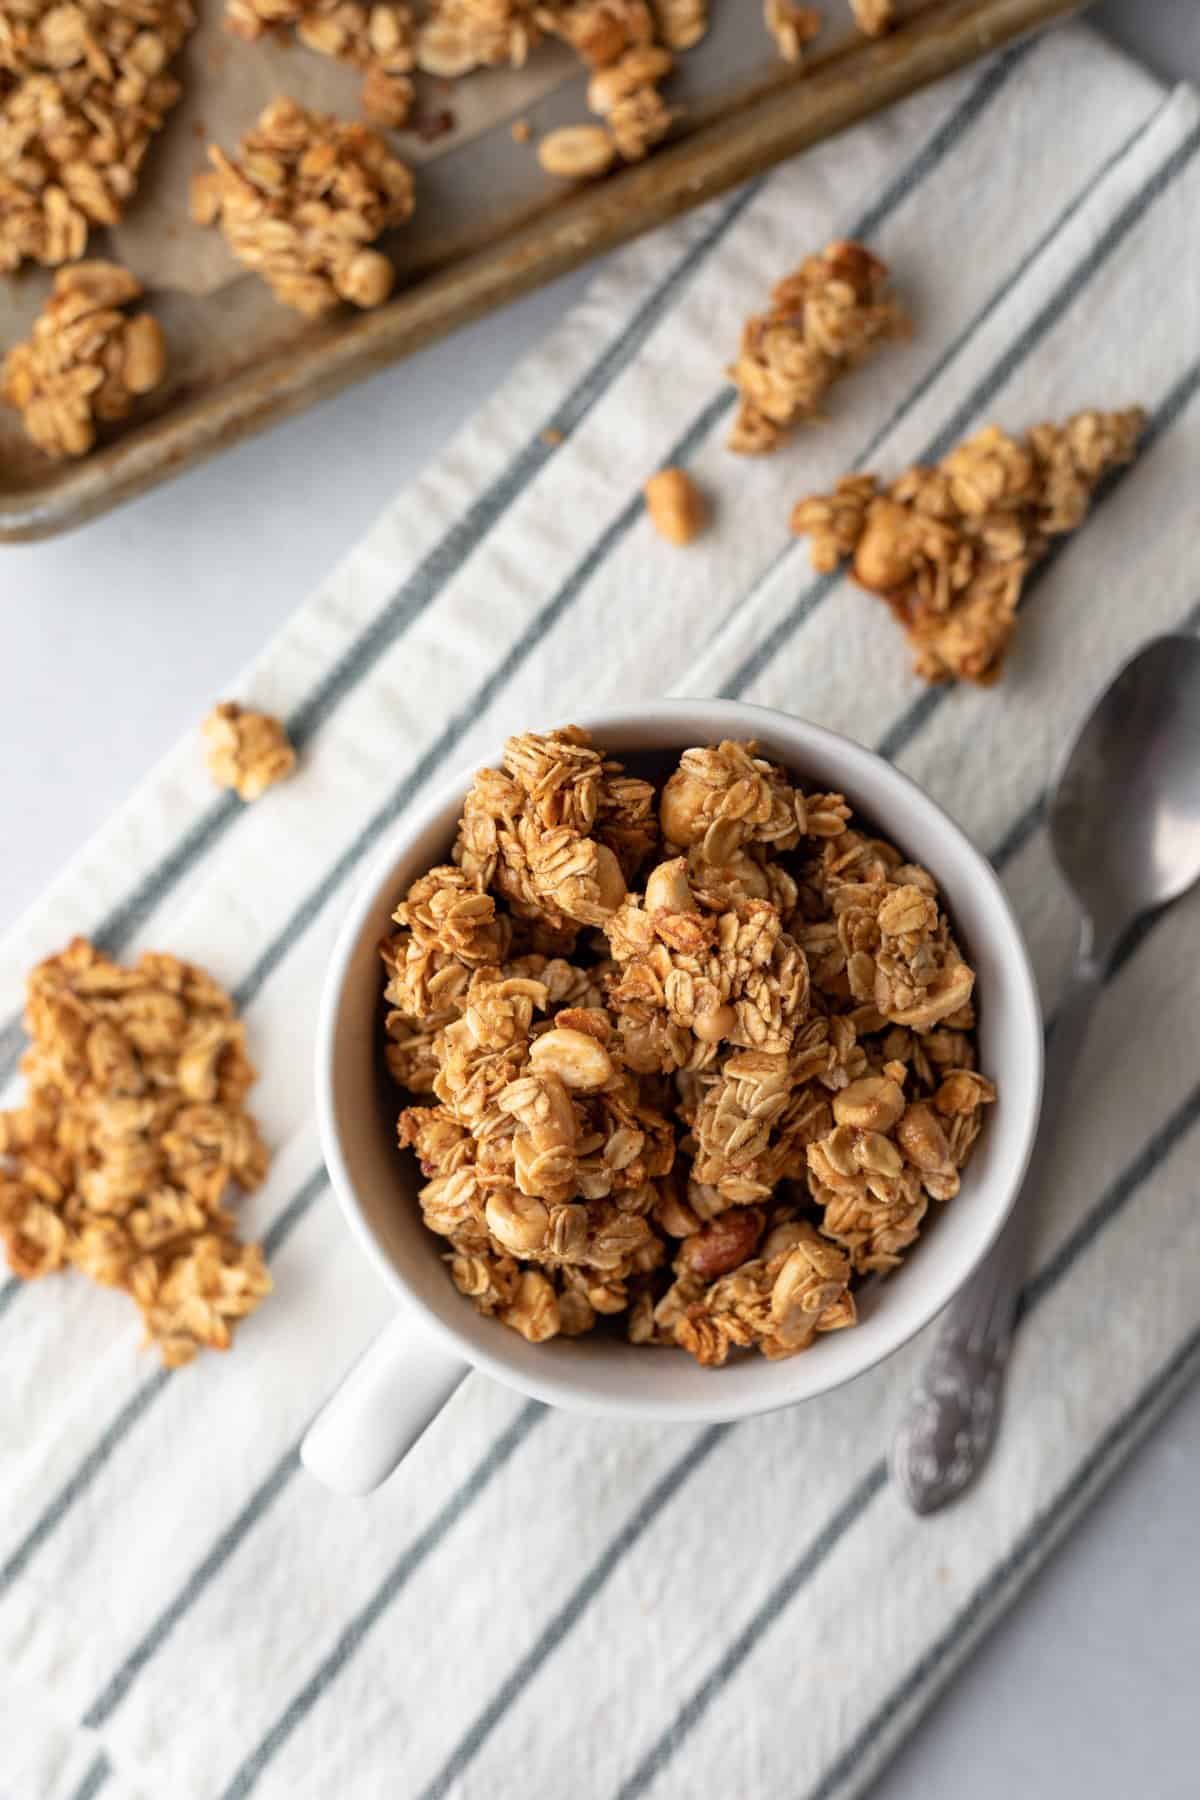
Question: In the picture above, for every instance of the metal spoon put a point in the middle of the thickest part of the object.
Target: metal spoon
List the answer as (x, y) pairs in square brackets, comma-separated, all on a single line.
[(1124, 825)]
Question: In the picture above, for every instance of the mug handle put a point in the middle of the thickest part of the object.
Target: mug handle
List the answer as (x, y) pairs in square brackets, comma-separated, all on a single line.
[(374, 1417)]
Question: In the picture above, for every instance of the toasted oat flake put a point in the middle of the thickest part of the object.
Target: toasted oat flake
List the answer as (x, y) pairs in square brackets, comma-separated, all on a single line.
[(874, 17), (950, 548), (302, 203), (791, 26), (248, 751), (460, 35), (694, 1055), (86, 362), (826, 318), (132, 1132)]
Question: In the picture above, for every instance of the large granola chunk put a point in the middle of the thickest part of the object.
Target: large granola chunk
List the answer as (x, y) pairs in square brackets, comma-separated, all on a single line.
[(826, 318), (950, 548), (132, 1132), (84, 85), (694, 1054), (302, 203), (86, 362)]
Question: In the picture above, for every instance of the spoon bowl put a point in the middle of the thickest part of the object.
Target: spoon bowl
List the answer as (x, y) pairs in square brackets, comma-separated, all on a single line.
[(1124, 817)]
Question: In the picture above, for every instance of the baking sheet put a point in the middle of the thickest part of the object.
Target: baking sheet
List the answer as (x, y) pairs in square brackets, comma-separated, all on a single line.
[(489, 223)]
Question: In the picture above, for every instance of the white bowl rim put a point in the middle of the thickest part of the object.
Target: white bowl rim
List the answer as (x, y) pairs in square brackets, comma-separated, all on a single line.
[(729, 719)]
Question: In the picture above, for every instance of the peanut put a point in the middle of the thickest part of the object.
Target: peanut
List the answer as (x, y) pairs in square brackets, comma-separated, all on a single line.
[(668, 888), (675, 505), (145, 361), (711, 1027), (574, 1056), (873, 1103), (884, 559), (518, 1222), (367, 279), (609, 879), (577, 152)]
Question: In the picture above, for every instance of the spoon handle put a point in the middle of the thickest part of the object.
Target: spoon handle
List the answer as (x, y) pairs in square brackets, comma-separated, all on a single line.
[(949, 1423)]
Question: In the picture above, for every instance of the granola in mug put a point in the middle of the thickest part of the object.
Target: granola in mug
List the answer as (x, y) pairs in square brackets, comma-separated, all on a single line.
[(694, 1057)]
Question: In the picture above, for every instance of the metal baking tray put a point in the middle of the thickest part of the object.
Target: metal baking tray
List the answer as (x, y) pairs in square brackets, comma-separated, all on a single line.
[(489, 227)]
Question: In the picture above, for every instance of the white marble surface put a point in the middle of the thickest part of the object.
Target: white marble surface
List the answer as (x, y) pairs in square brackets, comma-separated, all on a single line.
[(115, 639)]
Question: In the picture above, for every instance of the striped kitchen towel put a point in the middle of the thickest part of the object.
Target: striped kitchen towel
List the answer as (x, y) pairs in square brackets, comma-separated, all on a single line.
[(541, 1604)]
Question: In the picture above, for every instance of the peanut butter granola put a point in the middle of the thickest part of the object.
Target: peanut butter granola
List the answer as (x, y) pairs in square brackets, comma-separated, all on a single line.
[(86, 362), (83, 88), (828, 316), (303, 202), (694, 1058), (631, 49), (247, 751), (132, 1130), (379, 39), (949, 548)]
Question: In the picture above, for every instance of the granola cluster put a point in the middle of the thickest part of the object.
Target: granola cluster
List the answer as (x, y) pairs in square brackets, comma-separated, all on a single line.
[(303, 202), (631, 49), (247, 751), (828, 316), (949, 548), (83, 88), (630, 44), (86, 362), (695, 1057), (379, 39), (132, 1130)]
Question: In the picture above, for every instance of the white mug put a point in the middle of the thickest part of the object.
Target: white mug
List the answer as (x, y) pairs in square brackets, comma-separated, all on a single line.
[(413, 1367)]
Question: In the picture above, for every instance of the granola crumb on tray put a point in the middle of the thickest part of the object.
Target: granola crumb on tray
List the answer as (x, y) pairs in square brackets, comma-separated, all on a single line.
[(84, 87), (301, 204), (86, 361)]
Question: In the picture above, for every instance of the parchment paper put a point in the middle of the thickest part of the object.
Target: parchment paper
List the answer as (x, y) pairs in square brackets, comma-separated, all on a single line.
[(227, 82)]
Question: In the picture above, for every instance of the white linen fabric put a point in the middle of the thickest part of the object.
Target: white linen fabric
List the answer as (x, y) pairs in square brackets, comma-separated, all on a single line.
[(540, 1604)]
